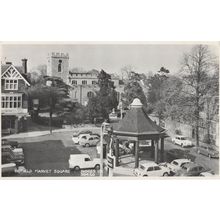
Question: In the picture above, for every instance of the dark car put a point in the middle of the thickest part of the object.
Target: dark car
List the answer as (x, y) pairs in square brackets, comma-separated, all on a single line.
[(179, 154), (190, 169), (208, 151), (14, 144)]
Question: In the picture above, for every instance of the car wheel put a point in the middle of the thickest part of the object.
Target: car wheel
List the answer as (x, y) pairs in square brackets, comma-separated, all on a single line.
[(87, 145), (76, 168), (182, 146), (165, 174), (97, 167)]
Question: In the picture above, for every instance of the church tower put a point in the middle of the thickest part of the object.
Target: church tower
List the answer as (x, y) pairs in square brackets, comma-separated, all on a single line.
[(58, 65)]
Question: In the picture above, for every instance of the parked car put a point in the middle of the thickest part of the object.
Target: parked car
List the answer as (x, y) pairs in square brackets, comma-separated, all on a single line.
[(209, 173), (179, 154), (83, 161), (208, 151), (80, 134), (151, 169), (8, 168), (113, 116), (14, 144), (182, 141), (177, 164), (190, 169), (89, 140), (12, 155)]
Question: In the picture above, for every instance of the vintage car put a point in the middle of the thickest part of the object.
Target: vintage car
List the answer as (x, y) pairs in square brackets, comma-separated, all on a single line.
[(177, 164), (12, 155), (89, 140), (182, 141), (208, 151), (190, 169), (151, 169), (83, 161)]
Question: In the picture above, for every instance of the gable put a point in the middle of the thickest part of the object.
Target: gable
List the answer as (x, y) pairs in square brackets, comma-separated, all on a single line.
[(12, 73)]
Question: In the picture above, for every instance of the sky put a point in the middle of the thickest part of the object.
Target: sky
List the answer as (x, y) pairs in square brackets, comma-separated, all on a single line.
[(110, 57)]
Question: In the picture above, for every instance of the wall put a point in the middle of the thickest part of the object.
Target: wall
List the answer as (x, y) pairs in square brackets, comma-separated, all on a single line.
[(52, 65)]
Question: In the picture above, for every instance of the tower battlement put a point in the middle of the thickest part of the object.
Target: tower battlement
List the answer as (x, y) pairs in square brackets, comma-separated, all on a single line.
[(59, 55)]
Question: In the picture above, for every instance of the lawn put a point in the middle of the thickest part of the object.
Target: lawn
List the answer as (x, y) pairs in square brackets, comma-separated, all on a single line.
[(47, 158)]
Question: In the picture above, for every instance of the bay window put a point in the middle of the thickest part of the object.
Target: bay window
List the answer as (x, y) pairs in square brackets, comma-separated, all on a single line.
[(11, 101)]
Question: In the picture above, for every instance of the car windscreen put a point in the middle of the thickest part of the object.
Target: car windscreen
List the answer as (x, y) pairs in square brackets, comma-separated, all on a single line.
[(183, 167), (182, 138), (142, 167)]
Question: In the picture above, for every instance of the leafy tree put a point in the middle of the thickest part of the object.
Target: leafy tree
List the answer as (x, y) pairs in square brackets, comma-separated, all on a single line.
[(133, 89), (54, 99), (105, 99), (155, 95)]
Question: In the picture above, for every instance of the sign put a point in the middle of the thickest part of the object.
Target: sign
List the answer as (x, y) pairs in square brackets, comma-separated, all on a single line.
[(14, 111), (110, 160)]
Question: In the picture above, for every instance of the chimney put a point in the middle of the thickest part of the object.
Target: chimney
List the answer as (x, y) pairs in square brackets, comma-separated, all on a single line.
[(24, 65)]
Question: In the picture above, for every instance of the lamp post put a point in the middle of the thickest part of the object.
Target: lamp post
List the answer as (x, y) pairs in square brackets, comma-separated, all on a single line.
[(49, 85), (104, 131), (120, 106)]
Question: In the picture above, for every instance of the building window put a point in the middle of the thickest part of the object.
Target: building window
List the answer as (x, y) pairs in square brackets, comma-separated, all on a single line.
[(59, 66), (74, 82), (11, 84), (12, 101), (84, 82), (90, 94), (94, 82)]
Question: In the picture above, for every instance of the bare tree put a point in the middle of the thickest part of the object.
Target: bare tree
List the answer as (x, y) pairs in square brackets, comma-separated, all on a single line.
[(197, 66), (127, 71)]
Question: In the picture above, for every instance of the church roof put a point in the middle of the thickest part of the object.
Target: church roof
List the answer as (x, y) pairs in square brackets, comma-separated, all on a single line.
[(137, 123)]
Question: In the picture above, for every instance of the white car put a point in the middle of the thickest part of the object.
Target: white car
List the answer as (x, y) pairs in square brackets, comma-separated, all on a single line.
[(207, 174), (90, 140), (8, 168), (151, 169), (182, 141), (77, 138), (83, 161), (177, 164)]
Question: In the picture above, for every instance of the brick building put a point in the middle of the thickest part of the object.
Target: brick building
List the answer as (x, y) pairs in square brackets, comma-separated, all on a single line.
[(14, 101)]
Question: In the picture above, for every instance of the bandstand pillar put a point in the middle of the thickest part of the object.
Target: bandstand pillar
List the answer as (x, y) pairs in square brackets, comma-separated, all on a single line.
[(137, 154)]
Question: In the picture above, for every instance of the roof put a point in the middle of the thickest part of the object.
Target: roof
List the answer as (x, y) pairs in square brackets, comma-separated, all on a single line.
[(136, 122), (20, 69)]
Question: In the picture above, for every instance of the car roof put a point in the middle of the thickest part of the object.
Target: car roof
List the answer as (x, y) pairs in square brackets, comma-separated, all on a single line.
[(181, 160), (191, 164), (149, 164)]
